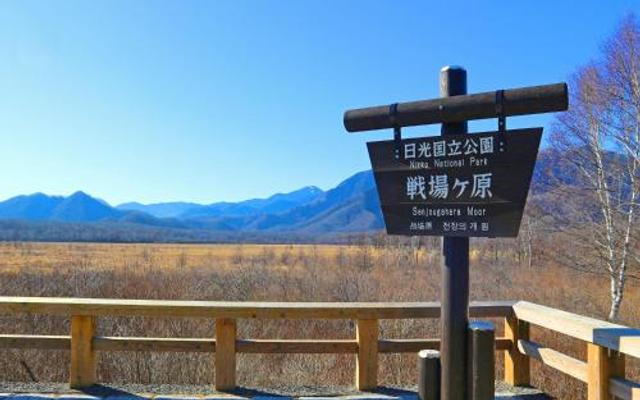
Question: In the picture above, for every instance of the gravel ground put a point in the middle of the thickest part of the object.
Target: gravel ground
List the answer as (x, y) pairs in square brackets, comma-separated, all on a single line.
[(27, 391)]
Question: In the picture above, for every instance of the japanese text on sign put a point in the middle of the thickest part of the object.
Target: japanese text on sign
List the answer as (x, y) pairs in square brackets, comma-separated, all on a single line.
[(453, 147), (437, 186)]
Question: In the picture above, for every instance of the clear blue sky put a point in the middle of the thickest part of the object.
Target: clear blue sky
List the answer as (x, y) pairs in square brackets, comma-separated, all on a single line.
[(227, 100)]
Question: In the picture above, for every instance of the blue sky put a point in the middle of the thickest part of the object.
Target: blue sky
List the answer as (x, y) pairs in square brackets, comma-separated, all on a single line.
[(227, 100)]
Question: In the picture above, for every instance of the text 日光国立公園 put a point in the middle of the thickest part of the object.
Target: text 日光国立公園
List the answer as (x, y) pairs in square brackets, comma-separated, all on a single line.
[(449, 148)]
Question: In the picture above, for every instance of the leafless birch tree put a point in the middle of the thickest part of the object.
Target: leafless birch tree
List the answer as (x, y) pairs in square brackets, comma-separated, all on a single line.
[(599, 141)]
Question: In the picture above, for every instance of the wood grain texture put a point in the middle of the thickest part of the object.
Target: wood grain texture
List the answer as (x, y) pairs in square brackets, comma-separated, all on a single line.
[(554, 359), (83, 361), (527, 100), (602, 365), (367, 363), (597, 372), (616, 337), (225, 309), (481, 361), (516, 364), (108, 343), (225, 357), (40, 342), (308, 346), (249, 346), (429, 375)]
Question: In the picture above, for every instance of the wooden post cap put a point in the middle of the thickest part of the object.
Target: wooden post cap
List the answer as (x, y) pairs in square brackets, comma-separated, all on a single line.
[(429, 354)]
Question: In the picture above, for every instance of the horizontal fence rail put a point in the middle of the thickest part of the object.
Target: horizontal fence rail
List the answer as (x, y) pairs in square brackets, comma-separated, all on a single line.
[(247, 346), (603, 371), (239, 309)]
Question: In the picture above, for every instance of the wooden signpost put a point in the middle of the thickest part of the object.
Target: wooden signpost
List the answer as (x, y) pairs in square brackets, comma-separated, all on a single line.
[(456, 185)]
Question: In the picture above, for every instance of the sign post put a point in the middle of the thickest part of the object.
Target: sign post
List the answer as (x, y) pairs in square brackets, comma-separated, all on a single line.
[(454, 314), (456, 185)]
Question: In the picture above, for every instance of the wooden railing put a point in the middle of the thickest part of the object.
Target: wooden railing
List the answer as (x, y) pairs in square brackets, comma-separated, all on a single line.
[(83, 341), (607, 344), (603, 371)]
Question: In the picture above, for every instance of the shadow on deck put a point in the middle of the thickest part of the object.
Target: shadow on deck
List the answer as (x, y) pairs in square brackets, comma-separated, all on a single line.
[(43, 391)]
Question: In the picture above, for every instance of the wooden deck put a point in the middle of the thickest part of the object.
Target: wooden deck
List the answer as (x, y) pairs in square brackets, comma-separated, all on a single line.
[(178, 392)]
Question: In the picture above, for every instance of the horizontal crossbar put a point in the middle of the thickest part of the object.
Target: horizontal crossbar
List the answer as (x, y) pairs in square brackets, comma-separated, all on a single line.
[(249, 346), (521, 101)]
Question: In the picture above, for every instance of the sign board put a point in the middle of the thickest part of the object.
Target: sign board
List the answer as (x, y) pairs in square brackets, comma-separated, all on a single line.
[(455, 185)]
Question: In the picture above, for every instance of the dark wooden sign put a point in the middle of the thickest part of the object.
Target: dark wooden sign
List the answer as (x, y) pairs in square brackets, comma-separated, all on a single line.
[(455, 185)]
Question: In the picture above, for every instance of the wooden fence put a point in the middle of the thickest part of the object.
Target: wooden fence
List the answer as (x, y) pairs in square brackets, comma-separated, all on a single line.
[(607, 344), (603, 371)]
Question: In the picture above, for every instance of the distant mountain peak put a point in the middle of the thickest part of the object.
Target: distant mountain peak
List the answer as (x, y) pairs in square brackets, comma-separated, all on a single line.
[(37, 194), (311, 188), (79, 194)]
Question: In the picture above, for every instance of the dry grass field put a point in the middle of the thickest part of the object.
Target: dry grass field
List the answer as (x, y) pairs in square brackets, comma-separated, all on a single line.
[(387, 272)]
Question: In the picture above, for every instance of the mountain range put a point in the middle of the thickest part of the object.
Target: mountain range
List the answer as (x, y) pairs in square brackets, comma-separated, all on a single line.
[(352, 206), (277, 203)]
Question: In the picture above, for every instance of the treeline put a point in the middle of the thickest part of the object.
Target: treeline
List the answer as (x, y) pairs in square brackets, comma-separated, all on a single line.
[(119, 232)]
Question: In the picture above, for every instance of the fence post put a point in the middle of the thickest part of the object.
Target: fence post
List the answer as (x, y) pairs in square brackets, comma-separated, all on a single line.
[(516, 364), (429, 375), (83, 361), (481, 360), (602, 364), (225, 356), (367, 365)]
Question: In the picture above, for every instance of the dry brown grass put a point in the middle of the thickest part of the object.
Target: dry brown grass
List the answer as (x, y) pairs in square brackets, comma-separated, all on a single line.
[(276, 273)]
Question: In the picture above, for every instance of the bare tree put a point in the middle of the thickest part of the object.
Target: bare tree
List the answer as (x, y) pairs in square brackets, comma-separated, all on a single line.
[(599, 141), (527, 237)]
